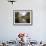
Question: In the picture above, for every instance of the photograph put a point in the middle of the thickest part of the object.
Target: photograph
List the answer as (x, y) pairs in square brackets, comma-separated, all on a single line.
[(22, 22), (22, 16)]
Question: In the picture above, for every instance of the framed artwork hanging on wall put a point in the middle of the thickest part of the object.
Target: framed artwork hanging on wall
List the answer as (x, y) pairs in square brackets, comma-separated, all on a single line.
[(22, 17)]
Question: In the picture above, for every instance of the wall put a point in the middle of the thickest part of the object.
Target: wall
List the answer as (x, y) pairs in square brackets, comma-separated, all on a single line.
[(38, 29)]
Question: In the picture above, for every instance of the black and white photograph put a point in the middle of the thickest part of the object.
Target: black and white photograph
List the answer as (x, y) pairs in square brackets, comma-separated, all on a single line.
[(22, 16)]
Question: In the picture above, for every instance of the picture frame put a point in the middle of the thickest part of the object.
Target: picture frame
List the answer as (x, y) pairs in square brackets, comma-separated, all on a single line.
[(22, 17)]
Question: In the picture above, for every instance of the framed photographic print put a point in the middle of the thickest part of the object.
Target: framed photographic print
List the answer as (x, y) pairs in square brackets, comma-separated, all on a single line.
[(22, 17)]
